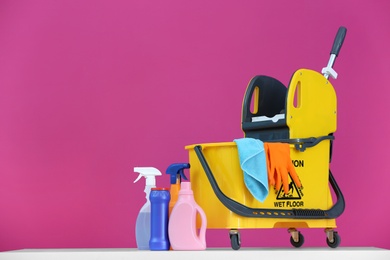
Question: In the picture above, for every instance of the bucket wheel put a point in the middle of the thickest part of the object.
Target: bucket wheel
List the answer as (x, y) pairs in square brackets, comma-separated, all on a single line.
[(332, 238), (235, 239), (296, 238)]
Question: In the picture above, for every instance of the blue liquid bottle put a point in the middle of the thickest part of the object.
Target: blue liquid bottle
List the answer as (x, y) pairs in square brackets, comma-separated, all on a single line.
[(159, 201)]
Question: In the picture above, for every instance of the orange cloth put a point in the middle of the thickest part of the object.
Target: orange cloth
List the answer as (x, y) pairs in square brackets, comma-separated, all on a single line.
[(279, 165)]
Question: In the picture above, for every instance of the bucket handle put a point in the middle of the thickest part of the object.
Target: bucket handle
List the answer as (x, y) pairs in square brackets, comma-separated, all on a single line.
[(335, 211), (302, 143)]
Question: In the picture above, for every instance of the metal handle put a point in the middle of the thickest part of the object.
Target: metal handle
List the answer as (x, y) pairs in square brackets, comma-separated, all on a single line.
[(338, 42)]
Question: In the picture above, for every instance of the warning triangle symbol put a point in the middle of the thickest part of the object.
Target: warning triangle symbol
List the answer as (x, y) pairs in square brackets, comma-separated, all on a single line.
[(293, 192)]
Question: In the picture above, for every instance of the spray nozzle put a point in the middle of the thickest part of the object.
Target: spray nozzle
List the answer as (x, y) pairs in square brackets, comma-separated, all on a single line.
[(149, 173), (176, 170)]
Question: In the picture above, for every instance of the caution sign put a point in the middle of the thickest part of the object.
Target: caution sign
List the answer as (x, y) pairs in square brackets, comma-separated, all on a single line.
[(293, 192), (293, 198)]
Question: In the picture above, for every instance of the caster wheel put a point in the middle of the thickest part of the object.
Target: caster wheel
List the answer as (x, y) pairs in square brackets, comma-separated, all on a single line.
[(300, 241), (235, 241), (336, 240)]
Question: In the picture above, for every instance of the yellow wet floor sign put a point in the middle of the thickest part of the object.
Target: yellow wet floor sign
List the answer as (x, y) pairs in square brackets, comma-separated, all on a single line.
[(291, 199)]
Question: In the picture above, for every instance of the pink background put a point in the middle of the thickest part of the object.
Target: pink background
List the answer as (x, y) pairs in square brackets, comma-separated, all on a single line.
[(91, 89)]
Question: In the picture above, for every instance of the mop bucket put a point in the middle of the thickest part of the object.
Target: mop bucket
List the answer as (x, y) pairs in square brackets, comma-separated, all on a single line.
[(219, 188), (304, 115), (222, 161)]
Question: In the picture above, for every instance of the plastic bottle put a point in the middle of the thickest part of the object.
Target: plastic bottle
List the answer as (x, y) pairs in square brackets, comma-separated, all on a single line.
[(159, 199), (142, 226), (176, 172), (182, 228)]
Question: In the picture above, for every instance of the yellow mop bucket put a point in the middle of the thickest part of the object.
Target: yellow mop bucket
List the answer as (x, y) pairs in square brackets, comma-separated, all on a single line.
[(302, 115), (223, 161)]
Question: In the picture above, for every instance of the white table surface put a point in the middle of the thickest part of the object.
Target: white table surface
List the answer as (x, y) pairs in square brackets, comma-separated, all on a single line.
[(345, 253)]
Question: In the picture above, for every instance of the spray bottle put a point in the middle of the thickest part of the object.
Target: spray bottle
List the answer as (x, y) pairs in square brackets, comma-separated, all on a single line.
[(176, 171), (142, 226)]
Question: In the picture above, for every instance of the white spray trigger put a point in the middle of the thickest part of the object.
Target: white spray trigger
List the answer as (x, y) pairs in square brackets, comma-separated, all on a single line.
[(149, 173), (139, 177)]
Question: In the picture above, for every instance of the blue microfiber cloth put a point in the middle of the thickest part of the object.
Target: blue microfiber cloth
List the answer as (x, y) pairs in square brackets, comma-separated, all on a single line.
[(254, 165)]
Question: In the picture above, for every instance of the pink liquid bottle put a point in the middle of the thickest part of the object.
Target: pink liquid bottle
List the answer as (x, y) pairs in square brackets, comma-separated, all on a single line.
[(182, 228)]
